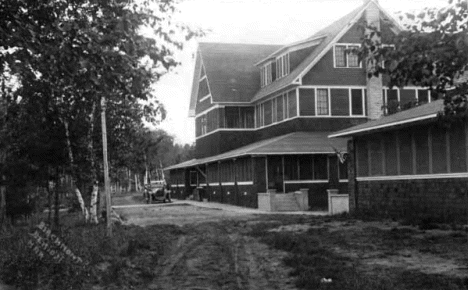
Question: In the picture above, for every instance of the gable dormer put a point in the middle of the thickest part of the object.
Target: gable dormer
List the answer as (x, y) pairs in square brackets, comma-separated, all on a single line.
[(267, 73), (282, 65)]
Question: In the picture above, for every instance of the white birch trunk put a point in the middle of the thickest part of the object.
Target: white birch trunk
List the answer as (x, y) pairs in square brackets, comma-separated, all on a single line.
[(84, 210), (93, 205), (129, 179), (137, 187)]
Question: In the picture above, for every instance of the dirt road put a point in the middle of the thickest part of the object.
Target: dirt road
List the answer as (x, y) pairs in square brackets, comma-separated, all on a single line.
[(215, 250), (220, 256)]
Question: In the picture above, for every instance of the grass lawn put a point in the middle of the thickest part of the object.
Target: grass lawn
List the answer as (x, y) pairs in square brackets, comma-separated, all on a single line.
[(317, 252), (344, 253)]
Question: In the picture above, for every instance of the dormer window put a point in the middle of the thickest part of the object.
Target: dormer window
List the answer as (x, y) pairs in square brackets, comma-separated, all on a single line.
[(282, 65), (265, 75), (344, 58)]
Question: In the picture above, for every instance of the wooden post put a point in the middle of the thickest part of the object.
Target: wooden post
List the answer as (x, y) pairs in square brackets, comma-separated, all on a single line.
[(106, 167)]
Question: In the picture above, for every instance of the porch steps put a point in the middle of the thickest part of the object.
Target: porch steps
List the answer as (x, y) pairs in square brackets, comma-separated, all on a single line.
[(286, 202)]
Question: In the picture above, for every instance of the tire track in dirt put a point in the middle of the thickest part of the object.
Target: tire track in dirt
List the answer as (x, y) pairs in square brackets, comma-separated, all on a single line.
[(217, 256)]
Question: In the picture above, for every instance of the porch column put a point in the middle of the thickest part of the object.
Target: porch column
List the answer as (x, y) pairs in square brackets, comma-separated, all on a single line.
[(333, 179), (259, 174), (352, 183)]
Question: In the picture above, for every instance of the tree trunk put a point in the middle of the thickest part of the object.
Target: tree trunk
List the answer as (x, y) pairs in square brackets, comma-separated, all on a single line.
[(129, 179), (2, 208), (49, 202), (57, 203), (136, 184), (93, 206), (84, 210)]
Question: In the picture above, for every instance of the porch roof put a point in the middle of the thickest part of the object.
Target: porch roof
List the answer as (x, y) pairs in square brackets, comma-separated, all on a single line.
[(289, 144), (404, 118)]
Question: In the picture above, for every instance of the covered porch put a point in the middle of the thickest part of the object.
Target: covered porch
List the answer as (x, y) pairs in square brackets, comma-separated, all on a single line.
[(306, 161)]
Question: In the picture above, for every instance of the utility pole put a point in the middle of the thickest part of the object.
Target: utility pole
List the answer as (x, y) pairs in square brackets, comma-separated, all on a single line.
[(106, 167)]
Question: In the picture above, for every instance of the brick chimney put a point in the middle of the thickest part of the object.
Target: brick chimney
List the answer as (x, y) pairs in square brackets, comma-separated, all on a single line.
[(374, 84)]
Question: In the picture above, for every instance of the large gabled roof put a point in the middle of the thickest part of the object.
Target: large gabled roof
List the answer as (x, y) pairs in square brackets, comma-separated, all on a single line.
[(421, 113), (329, 35), (231, 71), (292, 143)]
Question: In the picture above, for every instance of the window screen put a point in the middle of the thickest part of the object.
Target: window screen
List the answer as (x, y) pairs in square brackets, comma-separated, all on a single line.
[(322, 102), (340, 56), (357, 102)]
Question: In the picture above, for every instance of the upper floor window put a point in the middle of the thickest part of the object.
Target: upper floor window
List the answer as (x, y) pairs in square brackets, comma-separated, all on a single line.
[(203, 125), (323, 104), (344, 57), (282, 65), (239, 117), (266, 76)]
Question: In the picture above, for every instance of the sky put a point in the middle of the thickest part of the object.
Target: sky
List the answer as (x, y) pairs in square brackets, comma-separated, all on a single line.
[(249, 21)]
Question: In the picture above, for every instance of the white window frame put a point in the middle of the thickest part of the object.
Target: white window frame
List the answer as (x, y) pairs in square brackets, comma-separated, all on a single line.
[(347, 46), (282, 66), (266, 77), (351, 103), (203, 125), (316, 102)]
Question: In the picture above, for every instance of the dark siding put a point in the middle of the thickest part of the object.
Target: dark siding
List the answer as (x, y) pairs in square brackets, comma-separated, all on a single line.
[(353, 35), (202, 106), (406, 154), (390, 151), (439, 153), (197, 126), (457, 148), (422, 150), (307, 102), (220, 142), (308, 124), (339, 102), (323, 73)]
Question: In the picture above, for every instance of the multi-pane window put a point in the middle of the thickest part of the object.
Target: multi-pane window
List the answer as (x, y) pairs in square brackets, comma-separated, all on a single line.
[(266, 75), (203, 124), (322, 102), (353, 60), (340, 56), (282, 107), (345, 57), (239, 117), (282, 66)]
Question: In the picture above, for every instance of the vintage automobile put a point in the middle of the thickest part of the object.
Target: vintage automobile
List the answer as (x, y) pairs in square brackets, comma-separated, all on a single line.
[(156, 191)]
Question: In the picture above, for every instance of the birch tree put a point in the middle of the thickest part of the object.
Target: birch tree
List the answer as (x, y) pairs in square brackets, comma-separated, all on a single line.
[(81, 50)]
